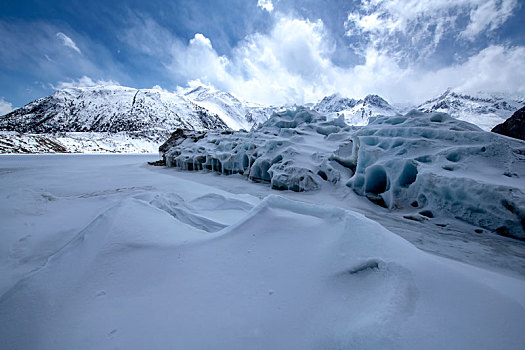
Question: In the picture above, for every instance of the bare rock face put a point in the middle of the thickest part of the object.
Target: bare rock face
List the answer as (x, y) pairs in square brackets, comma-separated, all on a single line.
[(178, 136), (514, 126)]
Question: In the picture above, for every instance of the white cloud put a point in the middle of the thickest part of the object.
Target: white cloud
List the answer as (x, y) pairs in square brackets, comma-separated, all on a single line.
[(488, 15), (68, 42), (293, 63), (265, 5), (285, 66), (412, 29), (5, 107), (84, 81), (493, 69)]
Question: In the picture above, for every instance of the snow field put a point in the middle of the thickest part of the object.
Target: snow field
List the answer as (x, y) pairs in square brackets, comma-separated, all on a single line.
[(158, 261)]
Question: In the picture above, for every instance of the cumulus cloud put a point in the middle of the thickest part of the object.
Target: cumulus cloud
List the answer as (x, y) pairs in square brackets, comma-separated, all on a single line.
[(265, 5), (293, 64), (287, 65), (68, 42), (293, 61), (5, 107), (84, 81)]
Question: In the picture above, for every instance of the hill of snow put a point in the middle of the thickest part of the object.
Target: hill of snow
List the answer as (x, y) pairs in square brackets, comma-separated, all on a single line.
[(110, 109), (483, 109)]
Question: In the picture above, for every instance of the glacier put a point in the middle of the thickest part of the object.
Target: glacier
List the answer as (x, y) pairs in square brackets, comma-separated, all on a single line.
[(430, 164)]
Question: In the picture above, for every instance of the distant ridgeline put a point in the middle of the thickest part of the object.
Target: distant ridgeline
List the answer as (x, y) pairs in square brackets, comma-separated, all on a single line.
[(122, 119)]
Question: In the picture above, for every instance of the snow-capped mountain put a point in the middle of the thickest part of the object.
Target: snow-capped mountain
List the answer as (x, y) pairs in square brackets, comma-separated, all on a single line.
[(111, 109), (355, 111), (115, 118), (485, 110), (123, 119), (235, 113)]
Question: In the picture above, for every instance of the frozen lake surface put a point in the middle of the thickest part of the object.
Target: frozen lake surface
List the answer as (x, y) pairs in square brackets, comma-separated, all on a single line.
[(104, 251)]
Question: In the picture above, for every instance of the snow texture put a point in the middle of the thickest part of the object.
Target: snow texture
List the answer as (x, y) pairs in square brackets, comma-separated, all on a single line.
[(146, 259), (425, 162)]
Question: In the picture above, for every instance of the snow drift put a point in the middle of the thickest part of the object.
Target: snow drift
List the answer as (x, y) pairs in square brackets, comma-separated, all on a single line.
[(139, 277)]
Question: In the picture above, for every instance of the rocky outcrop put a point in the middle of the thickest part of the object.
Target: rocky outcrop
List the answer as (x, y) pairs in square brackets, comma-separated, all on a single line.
[(514, 126)]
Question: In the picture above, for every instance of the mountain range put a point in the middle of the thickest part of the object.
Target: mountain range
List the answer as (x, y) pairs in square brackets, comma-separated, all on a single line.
[(127, 120), (484, 110)]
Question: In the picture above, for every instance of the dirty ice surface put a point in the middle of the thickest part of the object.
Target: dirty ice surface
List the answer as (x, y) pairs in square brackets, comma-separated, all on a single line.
[(105, 252)]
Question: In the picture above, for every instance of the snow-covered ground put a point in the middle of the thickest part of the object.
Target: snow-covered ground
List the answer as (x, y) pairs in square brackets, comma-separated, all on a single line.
[(76, 142), (104, 251)]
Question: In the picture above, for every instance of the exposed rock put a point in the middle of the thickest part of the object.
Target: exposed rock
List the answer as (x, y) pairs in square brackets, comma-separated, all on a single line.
[(514, 126)]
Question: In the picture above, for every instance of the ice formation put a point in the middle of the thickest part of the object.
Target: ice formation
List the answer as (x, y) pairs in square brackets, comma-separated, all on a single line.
[(428, 163), (290, 151), (438, 164)]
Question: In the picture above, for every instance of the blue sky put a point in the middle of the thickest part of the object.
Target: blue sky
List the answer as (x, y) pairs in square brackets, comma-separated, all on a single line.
[(268, 51)]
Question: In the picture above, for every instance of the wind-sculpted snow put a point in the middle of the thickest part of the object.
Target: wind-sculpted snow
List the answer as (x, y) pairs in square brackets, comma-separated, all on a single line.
[(442, 166), (286, 275), (427, 164), (290, 151)]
